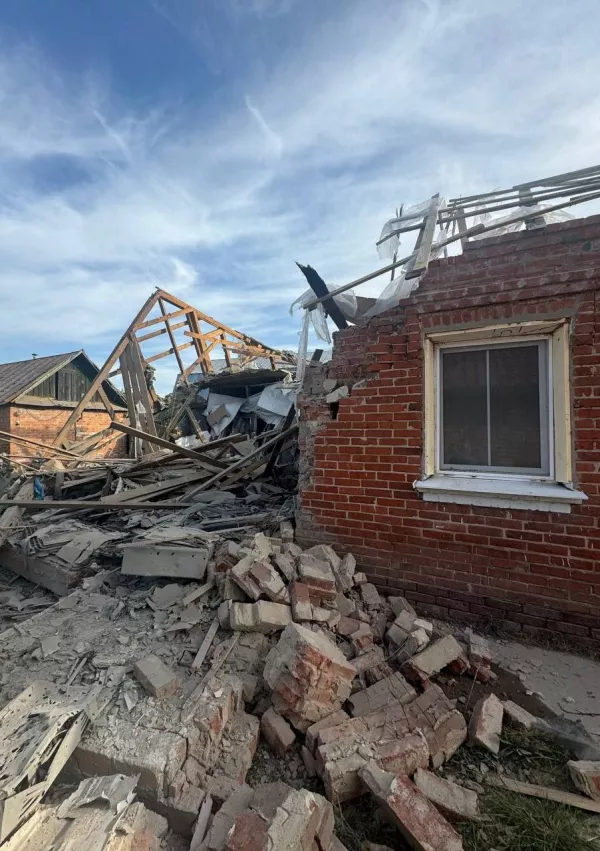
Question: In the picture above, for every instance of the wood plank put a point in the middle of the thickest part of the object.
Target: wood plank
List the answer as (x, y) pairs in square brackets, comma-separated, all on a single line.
[(209, 463), (545, 793), (104, 371), (169, 330), (168, 352), (199, 592), (289, 419), (239, 466), (160, 331), (45, 504), (149, 322), (205, 646), (157, 488), (423, 254)]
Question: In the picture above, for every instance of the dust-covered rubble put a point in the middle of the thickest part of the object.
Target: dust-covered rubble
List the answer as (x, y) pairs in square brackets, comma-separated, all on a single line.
[(284, 665)]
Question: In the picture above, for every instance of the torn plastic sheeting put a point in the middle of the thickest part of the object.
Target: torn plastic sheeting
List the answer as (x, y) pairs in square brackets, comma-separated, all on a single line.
[(347, 304), (399, 288), (387, 249), (506, 224)]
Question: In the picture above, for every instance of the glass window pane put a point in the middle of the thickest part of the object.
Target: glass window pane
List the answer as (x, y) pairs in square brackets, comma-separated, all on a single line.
[(515, 407), (464, 407)]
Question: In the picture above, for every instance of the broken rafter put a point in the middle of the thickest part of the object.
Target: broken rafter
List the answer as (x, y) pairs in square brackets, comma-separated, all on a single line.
[(44, 504), (194, 454)]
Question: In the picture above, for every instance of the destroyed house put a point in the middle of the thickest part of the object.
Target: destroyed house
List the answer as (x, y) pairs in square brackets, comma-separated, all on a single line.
[(461, 460), (38, 395)]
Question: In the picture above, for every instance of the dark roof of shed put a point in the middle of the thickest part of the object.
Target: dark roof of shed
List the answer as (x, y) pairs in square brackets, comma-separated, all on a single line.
[(22, 375)]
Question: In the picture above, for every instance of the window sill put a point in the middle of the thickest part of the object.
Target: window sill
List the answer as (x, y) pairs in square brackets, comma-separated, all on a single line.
[(499, 493)]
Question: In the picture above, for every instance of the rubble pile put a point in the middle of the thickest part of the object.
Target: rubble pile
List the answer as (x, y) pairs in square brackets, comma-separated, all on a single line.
[(271, 649)]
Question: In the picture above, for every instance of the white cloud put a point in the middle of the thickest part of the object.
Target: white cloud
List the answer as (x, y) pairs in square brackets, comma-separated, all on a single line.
[(387, 103)]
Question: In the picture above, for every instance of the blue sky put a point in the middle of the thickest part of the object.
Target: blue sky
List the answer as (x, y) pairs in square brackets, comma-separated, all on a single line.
[(206, 145)]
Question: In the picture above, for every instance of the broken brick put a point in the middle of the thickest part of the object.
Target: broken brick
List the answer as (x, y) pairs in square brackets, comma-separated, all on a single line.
[(585, 774), (389, 690), (453, 801), (421, 824), (332, 720), (517, 716), (249, 833), (444, 653), (269, 582), (277, 732), (309, 676), (263, 616), (285, 564), (300, 599), (156, 677), (485, 725), (370, 596), (241, 575), (401, 604)]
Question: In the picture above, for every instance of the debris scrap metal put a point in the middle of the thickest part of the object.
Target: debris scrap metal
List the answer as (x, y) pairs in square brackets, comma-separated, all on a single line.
[(179, 673)]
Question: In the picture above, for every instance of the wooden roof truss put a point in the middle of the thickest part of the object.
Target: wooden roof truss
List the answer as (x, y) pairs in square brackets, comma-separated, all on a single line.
[(175, 314)]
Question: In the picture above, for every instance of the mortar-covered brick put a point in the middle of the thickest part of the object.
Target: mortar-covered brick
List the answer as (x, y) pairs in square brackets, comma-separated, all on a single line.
[(212, 713), (310, 678), (536, 572)]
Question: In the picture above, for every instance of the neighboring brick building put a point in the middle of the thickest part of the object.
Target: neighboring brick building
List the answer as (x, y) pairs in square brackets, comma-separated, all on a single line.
[(37, 396), (464, 468)]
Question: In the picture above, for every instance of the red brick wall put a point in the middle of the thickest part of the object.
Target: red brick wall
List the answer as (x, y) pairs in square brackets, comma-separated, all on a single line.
[(44, 424), (538, 572)]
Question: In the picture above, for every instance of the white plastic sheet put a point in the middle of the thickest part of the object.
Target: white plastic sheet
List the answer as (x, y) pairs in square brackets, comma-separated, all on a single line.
[(387, 249), (317, 316)]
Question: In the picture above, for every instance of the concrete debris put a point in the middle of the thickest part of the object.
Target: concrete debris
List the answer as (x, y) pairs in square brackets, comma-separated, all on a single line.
[(155, 560), (485, 725), (585, 775), (417, 819), (39, 730), (309, 677), (454, 802), (342, 679)]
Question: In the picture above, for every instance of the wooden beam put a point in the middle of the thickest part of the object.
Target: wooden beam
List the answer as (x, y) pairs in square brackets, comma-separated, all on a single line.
[(171, 335), (44, 504), (105, 401), (166, 444), (243, 462), (180, 348), (423, 248), (104, 371), (546, 793), (160, 331), (150, 322), (203, 317)]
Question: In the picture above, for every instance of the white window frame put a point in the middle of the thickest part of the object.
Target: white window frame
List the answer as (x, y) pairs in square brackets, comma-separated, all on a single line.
[(551, 492)]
